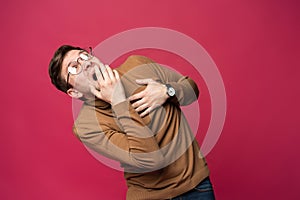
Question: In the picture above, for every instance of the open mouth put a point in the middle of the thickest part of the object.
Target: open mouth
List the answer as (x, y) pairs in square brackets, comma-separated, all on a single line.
[(91, 71), (94, 77)]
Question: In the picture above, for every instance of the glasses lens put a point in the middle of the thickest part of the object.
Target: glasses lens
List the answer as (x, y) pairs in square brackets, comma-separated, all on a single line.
[(74, 68), (84, 56)]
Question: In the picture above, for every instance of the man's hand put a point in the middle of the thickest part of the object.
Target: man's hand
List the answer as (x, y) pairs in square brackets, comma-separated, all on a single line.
[(152, 97), (110, 87)]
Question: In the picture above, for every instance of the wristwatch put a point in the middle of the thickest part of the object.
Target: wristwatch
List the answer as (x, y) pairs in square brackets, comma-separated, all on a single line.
[(170, 90)]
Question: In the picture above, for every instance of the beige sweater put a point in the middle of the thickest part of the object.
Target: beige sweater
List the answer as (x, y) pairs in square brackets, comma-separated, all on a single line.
[(159, 154)]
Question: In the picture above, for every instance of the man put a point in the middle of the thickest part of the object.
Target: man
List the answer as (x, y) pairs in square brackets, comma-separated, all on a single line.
[(137, 121)]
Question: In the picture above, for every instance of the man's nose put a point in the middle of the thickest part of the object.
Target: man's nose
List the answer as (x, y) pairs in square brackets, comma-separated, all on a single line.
[(85, 64)]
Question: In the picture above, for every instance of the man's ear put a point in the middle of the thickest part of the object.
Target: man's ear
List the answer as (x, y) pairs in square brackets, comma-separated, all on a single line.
[(74, 93)]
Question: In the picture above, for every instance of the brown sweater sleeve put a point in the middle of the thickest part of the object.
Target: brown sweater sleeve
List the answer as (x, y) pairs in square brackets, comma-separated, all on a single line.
[(134, 147), (186, 89)]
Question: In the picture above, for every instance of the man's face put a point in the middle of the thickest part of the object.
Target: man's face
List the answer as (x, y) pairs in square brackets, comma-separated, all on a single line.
[(80, 82)]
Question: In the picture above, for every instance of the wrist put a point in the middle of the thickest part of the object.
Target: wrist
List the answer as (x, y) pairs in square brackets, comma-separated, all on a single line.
[(117, 98), (170, 91), (164, 91)]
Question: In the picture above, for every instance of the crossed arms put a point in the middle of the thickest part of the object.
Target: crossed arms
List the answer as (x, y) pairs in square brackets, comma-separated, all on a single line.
[(125, 134)]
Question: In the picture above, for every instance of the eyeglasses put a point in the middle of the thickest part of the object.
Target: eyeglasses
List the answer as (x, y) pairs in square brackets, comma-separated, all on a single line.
[(75, 67)]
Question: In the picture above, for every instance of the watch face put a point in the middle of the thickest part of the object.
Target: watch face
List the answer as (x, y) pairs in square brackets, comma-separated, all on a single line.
[(171, 91)]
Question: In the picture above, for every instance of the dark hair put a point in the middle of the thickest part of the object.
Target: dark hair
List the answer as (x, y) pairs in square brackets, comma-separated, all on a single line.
[(56, 65)]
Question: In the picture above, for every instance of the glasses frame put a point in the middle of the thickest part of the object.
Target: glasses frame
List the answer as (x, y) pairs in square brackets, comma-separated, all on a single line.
[(90, 53)]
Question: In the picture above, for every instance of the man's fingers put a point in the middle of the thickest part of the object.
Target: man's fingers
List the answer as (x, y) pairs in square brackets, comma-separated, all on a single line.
[(137, 96), (104, 72), (95, 92), (116, 74), (146, 112), (141, 107), (138, 103), (149, 109), (99, 74), (110, 73), (94, 84), (144, 81)]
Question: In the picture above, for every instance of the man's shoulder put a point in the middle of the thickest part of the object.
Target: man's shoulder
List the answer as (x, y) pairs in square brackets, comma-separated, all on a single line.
[(134, 61), (138, 59)]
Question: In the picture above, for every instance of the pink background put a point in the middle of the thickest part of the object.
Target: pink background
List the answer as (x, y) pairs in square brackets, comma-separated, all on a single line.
[(255, 45)]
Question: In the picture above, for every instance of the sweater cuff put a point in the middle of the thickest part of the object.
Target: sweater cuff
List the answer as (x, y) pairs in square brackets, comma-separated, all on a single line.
[(123, 109)]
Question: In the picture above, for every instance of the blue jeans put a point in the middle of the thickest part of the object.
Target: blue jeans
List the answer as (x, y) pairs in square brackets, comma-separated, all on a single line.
[(203, 191)]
